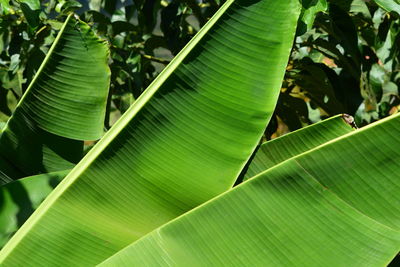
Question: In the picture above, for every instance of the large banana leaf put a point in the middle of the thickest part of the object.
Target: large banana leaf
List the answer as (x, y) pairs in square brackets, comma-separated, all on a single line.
[(64, 103), (280, 149), (20, 198), (182, 142), (337, 204)]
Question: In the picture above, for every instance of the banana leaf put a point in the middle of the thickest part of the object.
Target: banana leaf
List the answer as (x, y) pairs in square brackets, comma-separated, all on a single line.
[(282, 148), (184, 141), (337, 204), (64, 104)]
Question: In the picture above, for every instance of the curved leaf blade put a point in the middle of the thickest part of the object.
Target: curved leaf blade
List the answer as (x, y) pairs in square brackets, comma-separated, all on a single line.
[(64, 102), (68, 95), (280, 149), (335, 203), (389, 5), (155, 162), (367, 163)]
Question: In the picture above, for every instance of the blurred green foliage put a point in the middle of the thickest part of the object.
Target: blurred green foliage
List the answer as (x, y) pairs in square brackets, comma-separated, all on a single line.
[(344, 60)]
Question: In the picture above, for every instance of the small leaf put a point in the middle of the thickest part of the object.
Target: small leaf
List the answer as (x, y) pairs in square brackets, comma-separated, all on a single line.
[(389, 5)]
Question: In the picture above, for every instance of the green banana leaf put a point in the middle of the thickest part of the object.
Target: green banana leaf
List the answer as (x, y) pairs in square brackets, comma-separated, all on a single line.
[(64, 103), (184, 141), (20, 198), (389, 5), (337, 204), (280, 149)]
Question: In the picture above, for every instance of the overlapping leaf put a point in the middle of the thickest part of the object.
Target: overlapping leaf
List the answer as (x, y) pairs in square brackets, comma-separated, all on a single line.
[(338, 203), (182, 142), (389, 5), (64, 103), (280, 149)]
